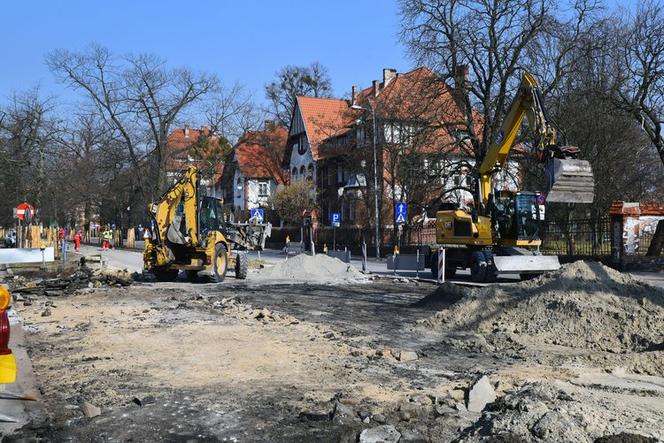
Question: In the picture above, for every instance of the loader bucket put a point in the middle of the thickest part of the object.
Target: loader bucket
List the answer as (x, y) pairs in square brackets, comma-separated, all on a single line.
[(569, 181)]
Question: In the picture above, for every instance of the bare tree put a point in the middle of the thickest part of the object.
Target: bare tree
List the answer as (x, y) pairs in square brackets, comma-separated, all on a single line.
[(638, 88), (27, 127), (138, 97), (639, 84), (231, 112), (492, 38), (291, 81)]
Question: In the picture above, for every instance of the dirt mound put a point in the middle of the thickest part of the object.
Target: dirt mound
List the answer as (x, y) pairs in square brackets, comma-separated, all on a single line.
[(583, 305), (316, 269), (548, 412)]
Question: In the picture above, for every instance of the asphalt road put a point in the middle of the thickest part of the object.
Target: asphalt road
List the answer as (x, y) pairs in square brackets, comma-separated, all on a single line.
[(132, 260)]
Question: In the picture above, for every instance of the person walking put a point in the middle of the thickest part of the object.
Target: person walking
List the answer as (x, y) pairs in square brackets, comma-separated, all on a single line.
[(105, 237), (77, 240)]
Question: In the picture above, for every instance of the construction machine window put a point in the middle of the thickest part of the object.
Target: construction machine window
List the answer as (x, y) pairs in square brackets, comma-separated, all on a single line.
[(211, 215), (516, 215), (527, 213)]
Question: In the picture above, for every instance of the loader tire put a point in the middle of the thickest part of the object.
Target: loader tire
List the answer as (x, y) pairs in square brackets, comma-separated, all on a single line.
[(220, 263), (241, 265), (166, 275), (478, 267)]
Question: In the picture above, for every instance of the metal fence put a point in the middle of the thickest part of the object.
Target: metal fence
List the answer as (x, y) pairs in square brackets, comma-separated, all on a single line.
[(576, 237), (584, 237)]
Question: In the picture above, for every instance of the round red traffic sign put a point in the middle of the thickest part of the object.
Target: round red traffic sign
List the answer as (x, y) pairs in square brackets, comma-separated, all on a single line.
[(25, 211)]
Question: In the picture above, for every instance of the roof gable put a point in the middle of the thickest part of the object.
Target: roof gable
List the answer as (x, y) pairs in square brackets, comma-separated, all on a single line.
[(323, 118), (258, 154)]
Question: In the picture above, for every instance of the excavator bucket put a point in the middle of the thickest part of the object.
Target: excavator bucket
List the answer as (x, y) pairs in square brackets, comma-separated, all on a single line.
[(569, 181)]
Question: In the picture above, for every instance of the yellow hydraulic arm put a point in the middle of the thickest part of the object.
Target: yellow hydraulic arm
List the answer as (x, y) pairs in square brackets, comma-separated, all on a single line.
[(164, 212), (527, 103), (568, 180)]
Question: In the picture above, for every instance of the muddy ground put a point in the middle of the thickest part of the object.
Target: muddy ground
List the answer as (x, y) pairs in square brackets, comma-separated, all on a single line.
[(241, 361)]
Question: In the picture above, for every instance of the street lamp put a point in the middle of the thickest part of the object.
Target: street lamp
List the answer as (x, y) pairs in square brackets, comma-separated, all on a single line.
[(372, 109)]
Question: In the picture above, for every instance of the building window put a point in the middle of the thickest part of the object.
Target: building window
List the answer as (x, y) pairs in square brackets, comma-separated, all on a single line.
[(263, 189), (310, 172), (294, 174), (302, 171)]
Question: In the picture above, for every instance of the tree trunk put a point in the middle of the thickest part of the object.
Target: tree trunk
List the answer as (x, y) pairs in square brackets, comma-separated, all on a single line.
[(657, 242)]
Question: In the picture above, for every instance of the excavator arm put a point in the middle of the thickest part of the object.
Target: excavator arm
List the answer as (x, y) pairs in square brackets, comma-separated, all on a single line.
[(568, 179), (176, 216)]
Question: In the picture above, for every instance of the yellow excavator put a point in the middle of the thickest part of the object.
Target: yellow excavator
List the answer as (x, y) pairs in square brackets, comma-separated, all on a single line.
[(501, 234), (191, 233)]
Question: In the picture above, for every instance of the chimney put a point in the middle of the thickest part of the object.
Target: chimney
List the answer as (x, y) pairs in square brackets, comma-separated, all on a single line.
[(268, 124), (186, 131), (376, 88), (461, 77), (389, 74), (353, 91)]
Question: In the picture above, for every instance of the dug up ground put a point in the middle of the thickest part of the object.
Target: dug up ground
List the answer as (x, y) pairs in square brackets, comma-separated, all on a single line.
[(315, 351)]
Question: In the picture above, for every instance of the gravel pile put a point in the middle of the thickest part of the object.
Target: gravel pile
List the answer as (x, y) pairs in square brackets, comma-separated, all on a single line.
[(317, 269), (583, 305)]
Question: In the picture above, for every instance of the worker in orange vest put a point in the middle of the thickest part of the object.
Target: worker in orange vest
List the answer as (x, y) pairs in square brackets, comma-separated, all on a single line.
[(77, 240)]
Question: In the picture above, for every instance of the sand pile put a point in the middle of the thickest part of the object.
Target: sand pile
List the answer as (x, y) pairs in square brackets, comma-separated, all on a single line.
[(317, 269), (583, 305)]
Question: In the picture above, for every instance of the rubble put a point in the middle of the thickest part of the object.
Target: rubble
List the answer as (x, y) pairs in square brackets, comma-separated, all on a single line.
[(68, 283), (480, 394), (380, 434), (90, 410)]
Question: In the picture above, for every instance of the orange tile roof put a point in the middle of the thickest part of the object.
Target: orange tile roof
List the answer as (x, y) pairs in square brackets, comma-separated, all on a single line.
[(258, 154), (178, 144), (323, 118)]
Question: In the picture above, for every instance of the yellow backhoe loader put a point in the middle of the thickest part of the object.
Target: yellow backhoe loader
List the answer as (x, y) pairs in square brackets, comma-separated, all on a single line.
[(191, 234), (501, 234)]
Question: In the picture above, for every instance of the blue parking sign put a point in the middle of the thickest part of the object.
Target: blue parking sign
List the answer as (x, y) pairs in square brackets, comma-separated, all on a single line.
[(336, 219), (400, 211), (257, 215)]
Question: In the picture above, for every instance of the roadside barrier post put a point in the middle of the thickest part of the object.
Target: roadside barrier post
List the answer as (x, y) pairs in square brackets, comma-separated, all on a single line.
[(417, 268), (364, 256), (441, 265)]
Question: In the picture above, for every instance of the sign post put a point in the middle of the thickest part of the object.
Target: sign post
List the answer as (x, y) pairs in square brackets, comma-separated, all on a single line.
[(336, 222)]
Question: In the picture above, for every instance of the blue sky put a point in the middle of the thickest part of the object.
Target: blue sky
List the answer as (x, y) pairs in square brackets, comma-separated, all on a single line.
[(245, 41)]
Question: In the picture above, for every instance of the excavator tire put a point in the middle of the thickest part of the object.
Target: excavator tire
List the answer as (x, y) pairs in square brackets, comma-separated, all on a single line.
[(478, 267), (241, 265), (192, 276), (491, 272), (166, 275), (220, 261)]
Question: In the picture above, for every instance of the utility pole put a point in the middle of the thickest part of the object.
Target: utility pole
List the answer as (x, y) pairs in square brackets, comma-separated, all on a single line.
[(372, 109)]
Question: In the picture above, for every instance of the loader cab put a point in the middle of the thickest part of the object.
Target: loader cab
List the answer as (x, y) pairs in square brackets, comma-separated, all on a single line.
[(211, 216), (516, 218)]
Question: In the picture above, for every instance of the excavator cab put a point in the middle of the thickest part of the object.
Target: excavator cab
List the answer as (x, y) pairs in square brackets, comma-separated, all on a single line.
[(517, 217)]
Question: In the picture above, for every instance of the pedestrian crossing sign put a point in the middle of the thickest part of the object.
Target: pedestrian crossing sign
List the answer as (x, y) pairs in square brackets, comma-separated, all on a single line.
[(400, 211)]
